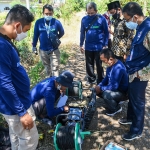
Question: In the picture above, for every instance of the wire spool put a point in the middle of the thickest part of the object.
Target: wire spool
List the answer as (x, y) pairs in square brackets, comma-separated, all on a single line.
[(67, 137)]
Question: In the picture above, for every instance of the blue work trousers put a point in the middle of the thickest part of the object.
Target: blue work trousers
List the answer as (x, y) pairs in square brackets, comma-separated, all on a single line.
[(136, 105)]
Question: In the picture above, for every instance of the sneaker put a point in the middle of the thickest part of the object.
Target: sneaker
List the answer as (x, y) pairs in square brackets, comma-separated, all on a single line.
[(113, 113), (124, 121), (121, 102), (129, 136)]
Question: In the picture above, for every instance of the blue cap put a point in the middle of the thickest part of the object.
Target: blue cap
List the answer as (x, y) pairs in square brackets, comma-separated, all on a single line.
[(65, 79)]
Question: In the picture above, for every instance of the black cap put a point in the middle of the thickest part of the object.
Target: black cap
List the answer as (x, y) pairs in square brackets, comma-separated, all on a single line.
[(117, 4), (113, 5)]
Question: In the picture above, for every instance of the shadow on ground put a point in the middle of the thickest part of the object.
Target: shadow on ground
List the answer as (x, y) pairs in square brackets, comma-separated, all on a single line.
[(102, 127)]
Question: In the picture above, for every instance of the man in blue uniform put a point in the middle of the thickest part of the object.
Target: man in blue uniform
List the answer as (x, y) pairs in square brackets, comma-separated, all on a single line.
[(15, 99), (49, 54), (45, 94), (113, 87), (94, 31), (138, 67)]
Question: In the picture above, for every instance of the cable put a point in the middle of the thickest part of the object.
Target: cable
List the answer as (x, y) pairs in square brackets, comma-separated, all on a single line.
[(65, 137)]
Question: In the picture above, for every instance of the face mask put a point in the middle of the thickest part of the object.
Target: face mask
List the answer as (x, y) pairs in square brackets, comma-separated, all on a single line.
[(48, 18), (116, 16), (58, 87), (91, 16), (110, 15), (131, 25), (21, 35)]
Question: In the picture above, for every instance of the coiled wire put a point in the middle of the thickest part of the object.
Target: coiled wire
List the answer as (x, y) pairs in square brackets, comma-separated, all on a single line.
[(65, 137)]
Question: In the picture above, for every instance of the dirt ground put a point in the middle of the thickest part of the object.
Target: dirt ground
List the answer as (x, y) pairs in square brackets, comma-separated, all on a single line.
[(102, 127)]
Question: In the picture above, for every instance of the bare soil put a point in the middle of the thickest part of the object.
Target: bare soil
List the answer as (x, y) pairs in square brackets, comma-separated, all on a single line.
[(102, 127)]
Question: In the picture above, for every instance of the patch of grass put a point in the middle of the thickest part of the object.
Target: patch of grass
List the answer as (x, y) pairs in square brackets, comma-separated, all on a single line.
[(35, 73), (63, 57), (3, 123)]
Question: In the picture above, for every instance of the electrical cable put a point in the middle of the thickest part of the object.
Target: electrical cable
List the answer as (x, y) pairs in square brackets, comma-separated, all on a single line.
[(65, 137)]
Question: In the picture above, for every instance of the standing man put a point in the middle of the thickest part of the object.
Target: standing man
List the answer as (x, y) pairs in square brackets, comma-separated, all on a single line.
[(122, 36), (15, 99), (50, 55), (107, 17), (94, 31), (138, 67)]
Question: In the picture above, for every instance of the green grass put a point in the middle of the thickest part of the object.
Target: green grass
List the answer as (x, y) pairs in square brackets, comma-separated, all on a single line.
[(63, 57)]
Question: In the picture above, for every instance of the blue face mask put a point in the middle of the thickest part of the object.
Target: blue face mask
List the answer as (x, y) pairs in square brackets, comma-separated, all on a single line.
[(48, 18), (110, 15), (131, 25), (91, 16)]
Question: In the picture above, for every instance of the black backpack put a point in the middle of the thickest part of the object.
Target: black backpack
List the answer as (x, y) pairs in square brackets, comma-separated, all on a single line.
[(4, 139)]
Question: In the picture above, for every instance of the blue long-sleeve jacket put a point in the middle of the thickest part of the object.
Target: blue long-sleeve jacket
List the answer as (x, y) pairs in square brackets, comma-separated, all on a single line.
[(46, 89), (41, 33), (116, 78), (97, 36), (14, 82)]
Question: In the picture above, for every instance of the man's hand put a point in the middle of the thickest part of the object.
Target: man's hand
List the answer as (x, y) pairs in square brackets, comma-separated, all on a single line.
[(125, 57), (97, 89), (27, 121), (82, 49), (66, 109), (111, 32)]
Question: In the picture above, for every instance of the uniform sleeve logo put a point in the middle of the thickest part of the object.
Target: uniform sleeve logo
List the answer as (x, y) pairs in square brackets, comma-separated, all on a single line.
[(18, 64), (64, 75)]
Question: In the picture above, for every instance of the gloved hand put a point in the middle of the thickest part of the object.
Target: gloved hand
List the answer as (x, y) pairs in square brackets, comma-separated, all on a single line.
[(34, 50)]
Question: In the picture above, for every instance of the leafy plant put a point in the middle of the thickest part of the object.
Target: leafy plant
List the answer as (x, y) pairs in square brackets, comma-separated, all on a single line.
[(14, 2), (3, 122), (63, 57), (35, 73)]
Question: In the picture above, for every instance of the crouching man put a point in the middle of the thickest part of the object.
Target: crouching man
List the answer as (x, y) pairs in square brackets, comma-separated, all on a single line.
[(114, 86), (45, 94)]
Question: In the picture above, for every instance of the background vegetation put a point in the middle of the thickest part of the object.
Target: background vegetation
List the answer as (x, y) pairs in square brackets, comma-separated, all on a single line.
[(64, 12)]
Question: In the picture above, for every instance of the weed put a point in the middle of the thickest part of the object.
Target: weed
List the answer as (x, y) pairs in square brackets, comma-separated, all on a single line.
[(35, 73), (63, 57)]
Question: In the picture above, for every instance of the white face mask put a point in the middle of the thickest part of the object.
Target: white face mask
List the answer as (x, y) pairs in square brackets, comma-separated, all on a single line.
[(58, 87), (48, 18), (110, 15), (21, 36)]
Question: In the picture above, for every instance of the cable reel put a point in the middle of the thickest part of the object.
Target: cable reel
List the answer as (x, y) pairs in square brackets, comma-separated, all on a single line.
[(69, 129), (65, 139)]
